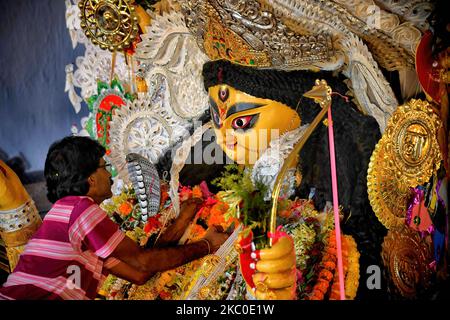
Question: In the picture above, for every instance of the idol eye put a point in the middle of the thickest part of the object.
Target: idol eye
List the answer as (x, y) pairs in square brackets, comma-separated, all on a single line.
[(241, 122), (215, 118)]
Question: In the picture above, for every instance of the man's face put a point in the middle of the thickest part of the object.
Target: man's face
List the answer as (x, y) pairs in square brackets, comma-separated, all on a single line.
[(244, 125), (102, 181)]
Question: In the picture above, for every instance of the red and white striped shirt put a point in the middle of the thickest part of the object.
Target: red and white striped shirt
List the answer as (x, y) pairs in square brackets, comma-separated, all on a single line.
[(68, 256)]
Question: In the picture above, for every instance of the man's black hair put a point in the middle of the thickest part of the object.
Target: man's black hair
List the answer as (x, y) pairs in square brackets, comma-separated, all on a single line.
[(69, 164)]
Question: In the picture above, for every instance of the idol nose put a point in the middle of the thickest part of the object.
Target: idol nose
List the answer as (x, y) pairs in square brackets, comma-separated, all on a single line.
[(230, 140)]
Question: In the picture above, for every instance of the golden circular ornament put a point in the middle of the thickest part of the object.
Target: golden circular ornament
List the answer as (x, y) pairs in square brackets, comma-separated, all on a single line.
[(111, 24), (406, 156), (209, 263), (204, 293), (407, 258)]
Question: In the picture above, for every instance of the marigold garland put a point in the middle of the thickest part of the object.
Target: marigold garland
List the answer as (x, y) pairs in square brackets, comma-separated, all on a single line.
[(327, 268), (350, 256), (352, 279)]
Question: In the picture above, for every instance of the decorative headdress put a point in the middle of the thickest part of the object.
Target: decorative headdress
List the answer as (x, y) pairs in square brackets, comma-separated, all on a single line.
[(324, 35)]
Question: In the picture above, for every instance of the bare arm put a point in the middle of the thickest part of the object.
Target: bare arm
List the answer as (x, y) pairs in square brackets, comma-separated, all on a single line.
[(150, 261), (165, 257), (125, 271)]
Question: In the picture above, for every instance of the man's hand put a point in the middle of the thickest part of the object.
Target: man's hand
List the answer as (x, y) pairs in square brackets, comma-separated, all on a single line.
[(188, 209), (175, 231), (216, 237)]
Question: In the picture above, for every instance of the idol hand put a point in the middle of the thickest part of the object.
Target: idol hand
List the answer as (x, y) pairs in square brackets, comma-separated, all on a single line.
[(275, 277)]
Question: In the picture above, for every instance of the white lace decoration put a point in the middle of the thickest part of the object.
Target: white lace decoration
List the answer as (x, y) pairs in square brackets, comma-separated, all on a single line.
[(73, 22), (169, 54), (179, 160), (93, 66), (69, 87), (226, 254), (372, 91), (268, 165), (146, 127)]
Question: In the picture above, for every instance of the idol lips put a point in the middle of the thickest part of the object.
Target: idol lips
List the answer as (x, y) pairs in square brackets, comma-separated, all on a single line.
[(231, 146)]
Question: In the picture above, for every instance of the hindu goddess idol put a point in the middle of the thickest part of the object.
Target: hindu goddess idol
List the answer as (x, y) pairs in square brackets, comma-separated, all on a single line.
[(248, 104)]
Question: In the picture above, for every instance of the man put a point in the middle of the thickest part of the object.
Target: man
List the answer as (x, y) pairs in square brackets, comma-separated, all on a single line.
[(77, 244)]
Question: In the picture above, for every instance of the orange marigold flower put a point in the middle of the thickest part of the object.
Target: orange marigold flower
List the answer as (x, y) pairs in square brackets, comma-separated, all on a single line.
[(331, 250), (185, 193), (219, 208), (125, 208), (197, 192), (329, 257), (317, 295), (322, 286), (285, 213), (165, 295), (329, 265), (326, 275), (215, 219)]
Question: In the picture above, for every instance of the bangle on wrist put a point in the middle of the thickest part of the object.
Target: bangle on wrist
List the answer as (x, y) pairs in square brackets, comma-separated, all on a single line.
[(209, 246)]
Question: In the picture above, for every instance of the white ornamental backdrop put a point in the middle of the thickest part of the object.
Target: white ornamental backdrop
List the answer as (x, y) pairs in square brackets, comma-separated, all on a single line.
[(94, 65), (169, 53), (146, 127), (158, 119)]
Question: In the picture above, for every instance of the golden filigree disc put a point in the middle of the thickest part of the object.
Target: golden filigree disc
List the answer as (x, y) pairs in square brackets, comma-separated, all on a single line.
[(406, 156), (111, 24), (407, 258)]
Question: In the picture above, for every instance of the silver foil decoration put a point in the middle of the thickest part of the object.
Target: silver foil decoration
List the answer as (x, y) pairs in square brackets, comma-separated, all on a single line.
[(145, 179)]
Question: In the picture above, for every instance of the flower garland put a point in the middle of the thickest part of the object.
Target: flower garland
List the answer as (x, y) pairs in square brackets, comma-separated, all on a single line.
[(352, 278), (327, 283), (327, 268), (335, 294), (351, 270), (172, 284)]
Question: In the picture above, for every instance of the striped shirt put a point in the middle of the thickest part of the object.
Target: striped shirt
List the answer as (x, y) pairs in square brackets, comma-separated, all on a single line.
[(67, 258)]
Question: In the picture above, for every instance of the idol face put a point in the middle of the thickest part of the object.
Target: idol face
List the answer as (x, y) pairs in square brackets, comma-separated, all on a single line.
[(244, 125)]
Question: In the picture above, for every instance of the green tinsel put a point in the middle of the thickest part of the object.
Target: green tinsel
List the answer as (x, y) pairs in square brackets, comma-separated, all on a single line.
[(255, 212)]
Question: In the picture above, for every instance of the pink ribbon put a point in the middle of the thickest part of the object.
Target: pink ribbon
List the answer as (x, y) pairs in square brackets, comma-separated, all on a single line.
[(417, 197), (337, 226)]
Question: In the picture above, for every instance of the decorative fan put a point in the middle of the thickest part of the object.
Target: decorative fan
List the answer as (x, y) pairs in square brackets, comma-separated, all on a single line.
[(145, 180)]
